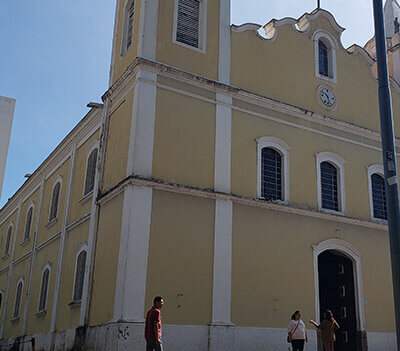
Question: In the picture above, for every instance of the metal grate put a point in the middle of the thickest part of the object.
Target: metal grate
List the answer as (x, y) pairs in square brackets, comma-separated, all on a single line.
[(329, 186), (188, 26), (379, 196), (271, 174), (323, 59)]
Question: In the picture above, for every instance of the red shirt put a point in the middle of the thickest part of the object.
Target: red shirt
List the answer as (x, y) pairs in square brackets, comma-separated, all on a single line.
[(153, 317)]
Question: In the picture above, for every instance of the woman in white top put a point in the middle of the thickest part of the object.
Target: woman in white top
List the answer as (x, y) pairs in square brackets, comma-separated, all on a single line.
[(297, 333)]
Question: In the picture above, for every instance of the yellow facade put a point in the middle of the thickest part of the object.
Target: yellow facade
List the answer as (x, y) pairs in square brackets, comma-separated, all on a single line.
[(176, 209)]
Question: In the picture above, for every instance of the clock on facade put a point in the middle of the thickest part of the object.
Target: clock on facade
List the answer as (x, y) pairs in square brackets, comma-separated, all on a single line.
[(327, 97)]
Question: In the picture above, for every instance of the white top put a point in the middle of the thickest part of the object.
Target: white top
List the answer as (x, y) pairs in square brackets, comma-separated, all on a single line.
[(300, 333)]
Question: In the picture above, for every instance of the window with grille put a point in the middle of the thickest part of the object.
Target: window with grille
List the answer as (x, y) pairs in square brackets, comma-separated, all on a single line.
[(28, 223), (8, 241), (379, 196), (323, 59), (329, 186), (54, 201), (79, 276), (271, 174), (188, 22), (90, 172), (17, 304), (128, 27), (44, 289)]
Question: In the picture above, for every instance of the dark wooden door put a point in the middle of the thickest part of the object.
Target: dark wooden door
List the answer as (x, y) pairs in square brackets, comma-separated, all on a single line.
[(337, 293)]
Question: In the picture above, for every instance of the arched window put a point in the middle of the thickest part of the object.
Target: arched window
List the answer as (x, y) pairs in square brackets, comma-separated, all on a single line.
[(79, 275), (325, 56), (330, 182), (379, 196), (8, 241), (90, 172), (323, 59), (128, 26), (329, 186), (18, 296), (273, 169), (54, 201), (28, 223), (271, 174), (44, 288)]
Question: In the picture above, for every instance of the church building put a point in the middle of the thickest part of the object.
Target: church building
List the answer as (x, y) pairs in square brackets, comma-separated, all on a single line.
[(236, 171)]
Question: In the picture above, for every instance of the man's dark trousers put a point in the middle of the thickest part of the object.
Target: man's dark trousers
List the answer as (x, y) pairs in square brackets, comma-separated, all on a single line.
[(152, 345)]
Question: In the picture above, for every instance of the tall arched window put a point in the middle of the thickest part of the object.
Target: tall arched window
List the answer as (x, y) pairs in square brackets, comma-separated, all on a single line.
[(329, 186), (18, 296), (323, 59), (90, 172), (79, 276), (44, 288), (128, 26), (54, 201), (330, 182), (8, 241), (28, 223), (378, 196), (271, 168)]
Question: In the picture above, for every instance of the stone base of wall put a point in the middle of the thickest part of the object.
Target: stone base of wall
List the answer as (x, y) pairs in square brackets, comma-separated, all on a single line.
[(128, 336)]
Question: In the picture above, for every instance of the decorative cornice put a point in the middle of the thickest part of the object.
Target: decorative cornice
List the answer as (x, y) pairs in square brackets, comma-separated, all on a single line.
[(242, 200)]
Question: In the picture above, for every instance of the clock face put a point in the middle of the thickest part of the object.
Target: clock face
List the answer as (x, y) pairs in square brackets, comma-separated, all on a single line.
[(327, 97)]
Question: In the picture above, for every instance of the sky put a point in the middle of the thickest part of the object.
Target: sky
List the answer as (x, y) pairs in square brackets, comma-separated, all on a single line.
[(55, 58)]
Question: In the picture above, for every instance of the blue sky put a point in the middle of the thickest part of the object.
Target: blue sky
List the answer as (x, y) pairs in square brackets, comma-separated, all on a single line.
[(55, 59)]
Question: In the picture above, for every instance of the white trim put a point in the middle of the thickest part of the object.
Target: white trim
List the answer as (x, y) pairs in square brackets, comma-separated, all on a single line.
[(202, 28), (31, 206), (124, 47), (81, 248), (223, 140), (338, 162), (130, 289), (141, 140), (355, 255), (222, 269), (148, 26), (94, 146), (374, 169), (332, 47), (57, 180), (47, 265), (283, 148), (20, 280)]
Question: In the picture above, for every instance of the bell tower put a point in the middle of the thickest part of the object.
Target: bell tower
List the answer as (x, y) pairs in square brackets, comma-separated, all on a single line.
[(392, 17), (191, 35)]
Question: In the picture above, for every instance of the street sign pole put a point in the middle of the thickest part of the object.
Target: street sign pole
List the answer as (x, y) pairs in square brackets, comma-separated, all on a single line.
[(389, 158)]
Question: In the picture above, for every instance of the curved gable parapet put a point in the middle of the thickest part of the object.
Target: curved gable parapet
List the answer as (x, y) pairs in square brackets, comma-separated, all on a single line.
[(254, 27), (309, 17)]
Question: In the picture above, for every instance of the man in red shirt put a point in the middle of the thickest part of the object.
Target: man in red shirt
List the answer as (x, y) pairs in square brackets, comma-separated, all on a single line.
[(152, 332)]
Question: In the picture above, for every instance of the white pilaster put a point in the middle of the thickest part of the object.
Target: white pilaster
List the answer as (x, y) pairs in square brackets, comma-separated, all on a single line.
[(221, 308), (62, 239), (222, 175), (133, 254), (224, 65), (140, 157), (148, 26)]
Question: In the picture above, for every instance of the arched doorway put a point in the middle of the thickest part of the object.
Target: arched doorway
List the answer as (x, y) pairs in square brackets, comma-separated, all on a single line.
[(338, 284), (337, 293)]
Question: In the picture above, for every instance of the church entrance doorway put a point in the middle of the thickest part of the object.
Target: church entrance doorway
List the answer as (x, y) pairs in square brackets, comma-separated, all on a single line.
[(337, 293)]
